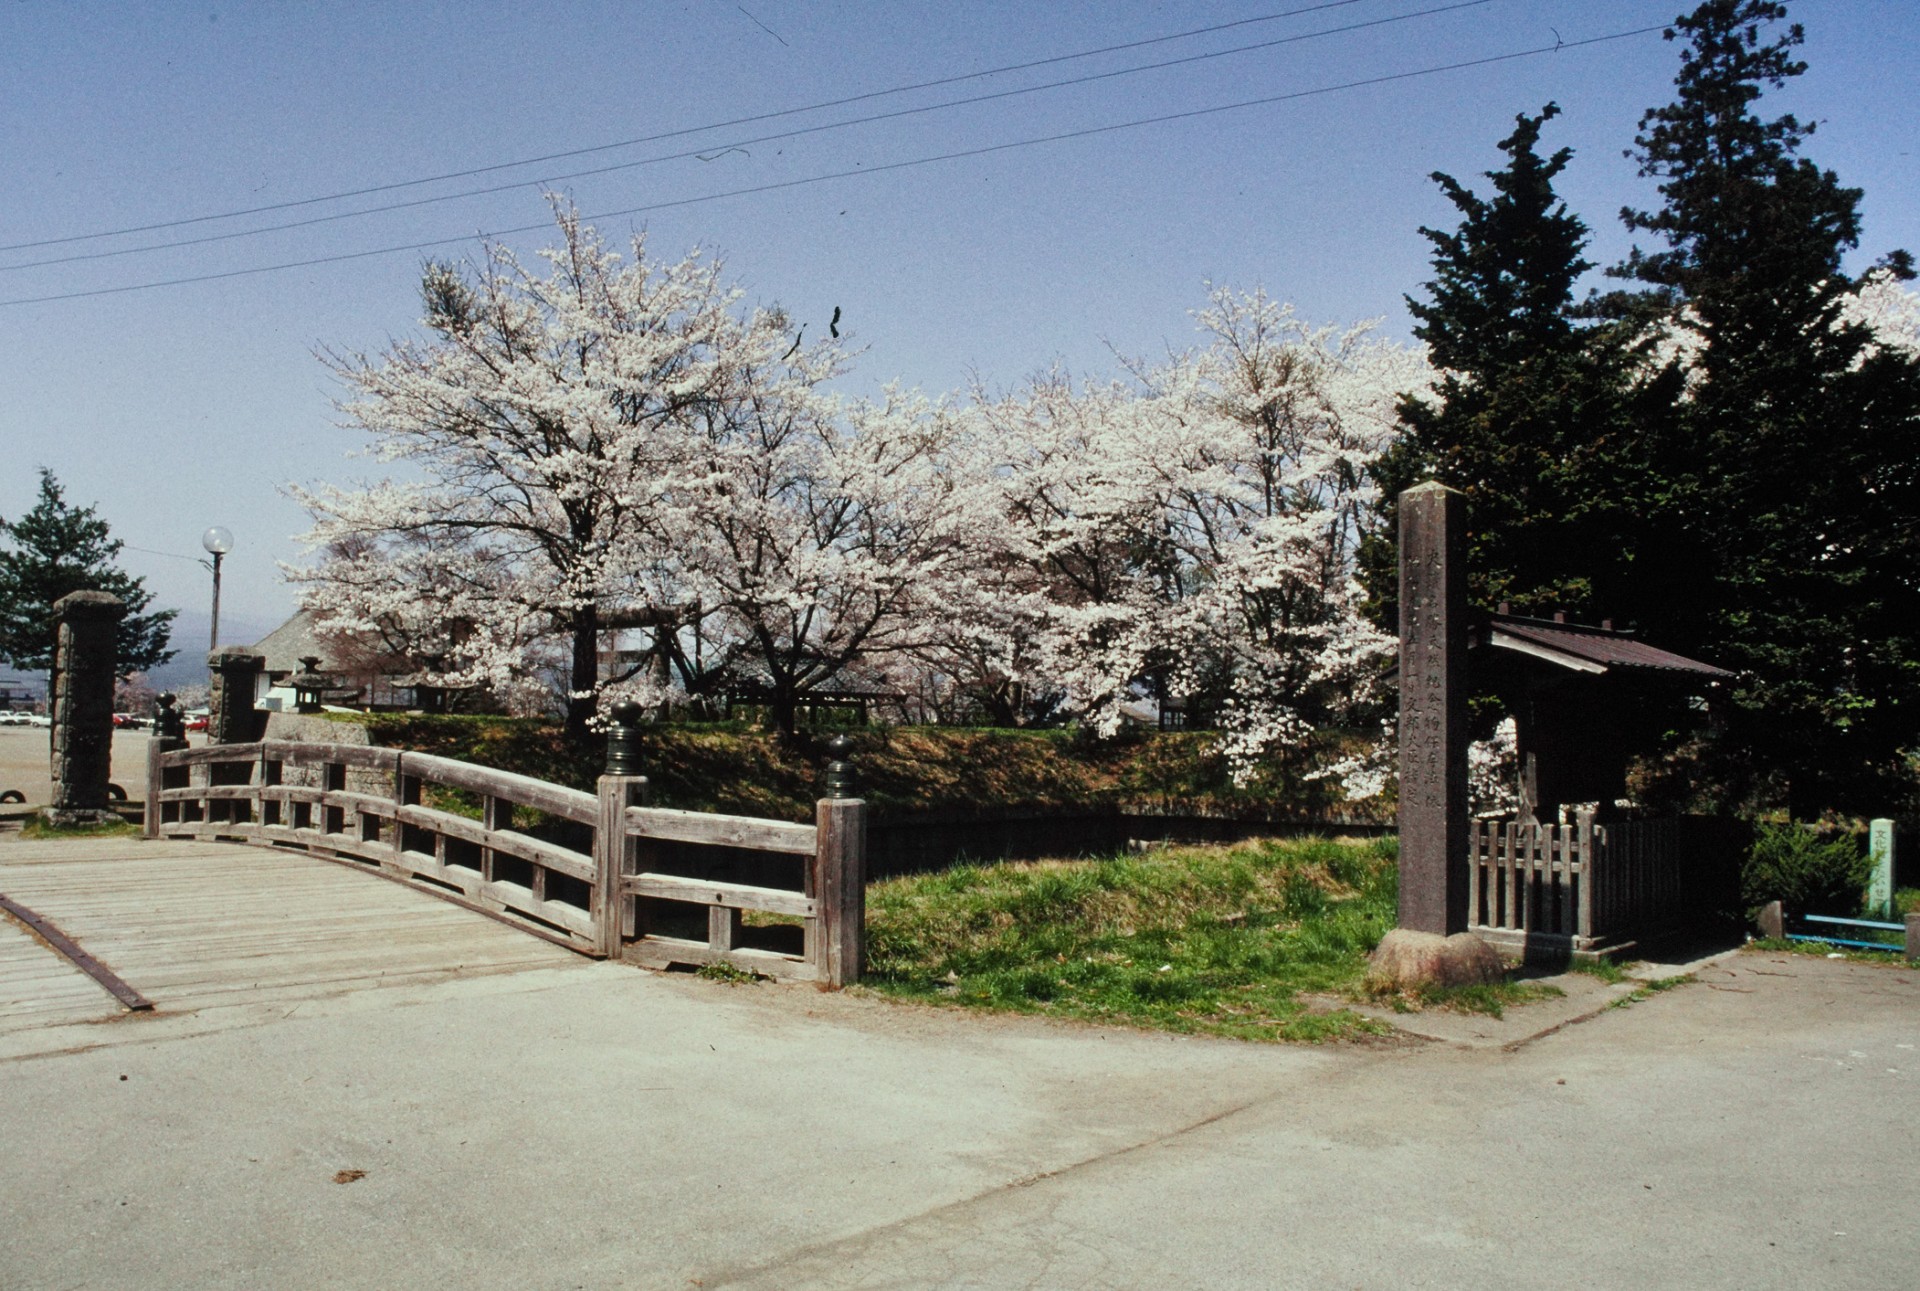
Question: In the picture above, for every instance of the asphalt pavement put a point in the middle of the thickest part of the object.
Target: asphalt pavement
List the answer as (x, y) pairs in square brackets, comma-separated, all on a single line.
[(600, 1126)]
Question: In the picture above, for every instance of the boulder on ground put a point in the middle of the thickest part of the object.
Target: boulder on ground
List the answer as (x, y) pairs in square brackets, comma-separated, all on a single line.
[(1405, 959)]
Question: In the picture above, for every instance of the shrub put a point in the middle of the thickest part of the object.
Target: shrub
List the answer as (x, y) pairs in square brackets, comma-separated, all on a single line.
[(1804, 872)]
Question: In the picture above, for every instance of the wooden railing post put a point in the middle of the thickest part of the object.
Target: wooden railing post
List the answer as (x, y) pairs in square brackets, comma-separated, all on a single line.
[(840, 861), (1588, 842), (610, 851), (1476, 830), (404, 795), (150, 826), (622, 786)]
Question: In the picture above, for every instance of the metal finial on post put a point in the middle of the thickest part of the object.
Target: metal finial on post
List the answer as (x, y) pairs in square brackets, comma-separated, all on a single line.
[(843, 780), (623, 739)]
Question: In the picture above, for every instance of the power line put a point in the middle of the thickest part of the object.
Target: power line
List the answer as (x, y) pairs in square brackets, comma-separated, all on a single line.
[(922, 110), (962, 154), (171, 555), (677, 134)]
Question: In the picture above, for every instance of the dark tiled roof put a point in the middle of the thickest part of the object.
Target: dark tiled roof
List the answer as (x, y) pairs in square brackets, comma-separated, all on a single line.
[(1604, 649), (285, 645)]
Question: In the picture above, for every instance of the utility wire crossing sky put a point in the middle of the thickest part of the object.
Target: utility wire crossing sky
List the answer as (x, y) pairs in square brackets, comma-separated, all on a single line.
[(161, 311)]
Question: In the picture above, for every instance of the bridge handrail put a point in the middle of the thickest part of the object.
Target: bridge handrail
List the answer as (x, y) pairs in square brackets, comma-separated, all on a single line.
[(590, 888)]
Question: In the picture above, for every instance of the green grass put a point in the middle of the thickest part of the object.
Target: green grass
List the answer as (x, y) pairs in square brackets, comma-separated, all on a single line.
[(1827, 950), (725, 972), (1493, 999), (37, 827), (1650, 990), (1219, 941), (1605, 969)]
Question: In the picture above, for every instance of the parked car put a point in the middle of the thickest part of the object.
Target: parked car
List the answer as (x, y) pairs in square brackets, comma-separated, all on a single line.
[(197, 722), (8, 717)]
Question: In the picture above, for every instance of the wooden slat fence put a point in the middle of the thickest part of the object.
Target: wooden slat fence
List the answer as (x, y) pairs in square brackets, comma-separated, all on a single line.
[(601, 873), (1640, 884), (1581, 885), (1530, 879)]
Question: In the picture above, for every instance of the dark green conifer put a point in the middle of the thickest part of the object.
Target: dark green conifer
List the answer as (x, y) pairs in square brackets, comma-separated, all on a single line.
[(57, 548), (1794, 466)]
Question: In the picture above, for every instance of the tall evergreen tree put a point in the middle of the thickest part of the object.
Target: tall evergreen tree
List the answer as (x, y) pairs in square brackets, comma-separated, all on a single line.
[(1530, 416), (57, 548), (1798, 485)]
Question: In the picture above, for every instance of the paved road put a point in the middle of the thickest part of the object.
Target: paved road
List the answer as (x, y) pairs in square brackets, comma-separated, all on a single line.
[(606, 1127), (23, 761)]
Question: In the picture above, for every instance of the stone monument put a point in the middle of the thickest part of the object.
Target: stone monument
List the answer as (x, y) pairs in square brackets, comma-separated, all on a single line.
[(85, 655), (1433, 710), (1432, 944)]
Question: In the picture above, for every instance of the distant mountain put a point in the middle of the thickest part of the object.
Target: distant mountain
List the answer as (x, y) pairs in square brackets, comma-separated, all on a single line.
[(189, 641)]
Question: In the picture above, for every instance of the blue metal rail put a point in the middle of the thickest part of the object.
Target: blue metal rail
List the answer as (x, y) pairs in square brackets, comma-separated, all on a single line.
[(1878, 925)]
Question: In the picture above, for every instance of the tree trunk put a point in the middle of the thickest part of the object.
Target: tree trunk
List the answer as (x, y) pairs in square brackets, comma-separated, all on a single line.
[(584, 676), (783, 708)]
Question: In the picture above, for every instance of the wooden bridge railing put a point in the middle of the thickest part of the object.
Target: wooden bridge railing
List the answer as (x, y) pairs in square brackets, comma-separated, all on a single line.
[(599, 873)]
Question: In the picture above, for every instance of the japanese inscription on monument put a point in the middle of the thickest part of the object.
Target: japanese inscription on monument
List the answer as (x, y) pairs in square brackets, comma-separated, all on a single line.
[(1433, 710)]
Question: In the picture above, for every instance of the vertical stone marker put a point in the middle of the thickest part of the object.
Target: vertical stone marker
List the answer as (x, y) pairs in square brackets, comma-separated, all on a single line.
[(1432, 945), (85, 654), (1433, 710)]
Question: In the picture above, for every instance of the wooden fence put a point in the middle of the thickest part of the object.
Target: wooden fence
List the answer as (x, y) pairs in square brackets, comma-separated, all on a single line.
[(1580, 887), (602, 874)]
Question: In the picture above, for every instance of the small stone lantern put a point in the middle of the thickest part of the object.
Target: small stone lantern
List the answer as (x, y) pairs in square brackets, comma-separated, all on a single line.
[(309, 684)]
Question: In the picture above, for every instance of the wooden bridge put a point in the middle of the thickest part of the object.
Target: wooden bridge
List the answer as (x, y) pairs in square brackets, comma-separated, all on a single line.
[(598, 873), (183, 920), (183, 927)]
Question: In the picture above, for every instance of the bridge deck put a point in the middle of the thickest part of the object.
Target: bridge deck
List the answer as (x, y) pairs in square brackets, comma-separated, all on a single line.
[(195, 925)]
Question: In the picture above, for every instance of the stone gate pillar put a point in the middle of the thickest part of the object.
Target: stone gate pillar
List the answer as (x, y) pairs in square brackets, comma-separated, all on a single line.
[(231, 717), (1433, 710), (84, 659)]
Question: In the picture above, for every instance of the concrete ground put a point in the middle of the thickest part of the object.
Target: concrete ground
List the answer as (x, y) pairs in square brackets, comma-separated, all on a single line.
[(599, 1126)]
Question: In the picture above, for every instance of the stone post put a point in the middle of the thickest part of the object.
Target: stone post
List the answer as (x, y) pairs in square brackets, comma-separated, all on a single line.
[(1880, 877), (1433, 710), (231, 718), (85, 655)]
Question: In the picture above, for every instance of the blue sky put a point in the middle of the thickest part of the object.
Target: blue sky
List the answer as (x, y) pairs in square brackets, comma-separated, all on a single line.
[(178, 407)]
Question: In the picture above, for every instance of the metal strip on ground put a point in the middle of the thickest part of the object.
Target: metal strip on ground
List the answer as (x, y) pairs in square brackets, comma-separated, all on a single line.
[(50, 932)]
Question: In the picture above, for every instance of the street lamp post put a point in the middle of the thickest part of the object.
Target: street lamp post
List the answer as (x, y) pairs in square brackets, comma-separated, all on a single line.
[(218, 542)]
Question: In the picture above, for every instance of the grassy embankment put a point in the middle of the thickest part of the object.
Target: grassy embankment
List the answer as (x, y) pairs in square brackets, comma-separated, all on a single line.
[(1230, 941), (903, 770)]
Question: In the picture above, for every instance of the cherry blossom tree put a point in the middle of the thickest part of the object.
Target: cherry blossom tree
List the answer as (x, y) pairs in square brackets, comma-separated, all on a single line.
[(814, 531), (1192, 532), (539, 425)]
